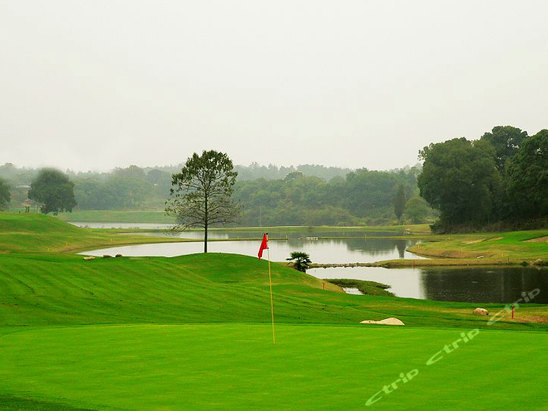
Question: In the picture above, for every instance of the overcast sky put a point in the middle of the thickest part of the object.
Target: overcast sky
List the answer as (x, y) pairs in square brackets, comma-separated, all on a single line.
[(98, 84)]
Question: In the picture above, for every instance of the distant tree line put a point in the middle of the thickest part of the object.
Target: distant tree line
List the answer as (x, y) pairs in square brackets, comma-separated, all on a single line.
[(124, 188), (5, 195), (304, 195), (273, 172), (501, 178), (361, 197)]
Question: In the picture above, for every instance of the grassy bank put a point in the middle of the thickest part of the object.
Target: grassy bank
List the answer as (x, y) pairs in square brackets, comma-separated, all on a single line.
[(39, 233), (365, 287), (513, 247), (118, 216), (44, 289), (193, 332)]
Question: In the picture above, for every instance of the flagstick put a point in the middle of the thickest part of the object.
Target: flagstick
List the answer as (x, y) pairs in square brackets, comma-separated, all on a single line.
[(271, 299)]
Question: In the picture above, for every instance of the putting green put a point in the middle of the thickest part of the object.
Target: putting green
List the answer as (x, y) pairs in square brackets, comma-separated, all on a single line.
[(133, 333), (236, 366)]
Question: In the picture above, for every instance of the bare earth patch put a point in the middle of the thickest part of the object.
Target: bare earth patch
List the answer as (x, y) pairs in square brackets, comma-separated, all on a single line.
[(481, 240), (538, 240), (540, 319), (474, 241)]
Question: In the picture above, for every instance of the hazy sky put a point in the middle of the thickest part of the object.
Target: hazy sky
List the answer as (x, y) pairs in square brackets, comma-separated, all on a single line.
[(98, 84)]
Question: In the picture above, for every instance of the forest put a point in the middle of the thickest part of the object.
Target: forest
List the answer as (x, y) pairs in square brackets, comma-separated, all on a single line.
[(268, 195), (499, 180)]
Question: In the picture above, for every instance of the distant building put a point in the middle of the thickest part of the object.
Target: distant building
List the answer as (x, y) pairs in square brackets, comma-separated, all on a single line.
[(20, 196), (27, 204)]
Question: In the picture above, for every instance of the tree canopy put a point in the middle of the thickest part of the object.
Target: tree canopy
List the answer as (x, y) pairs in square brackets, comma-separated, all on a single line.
[(399, 202), (502, 177), (4, 194), (416, 210), (528, 177), (506, 140), (53, 190), (301, 260), (362, 197), (201, 192), (459, 178)]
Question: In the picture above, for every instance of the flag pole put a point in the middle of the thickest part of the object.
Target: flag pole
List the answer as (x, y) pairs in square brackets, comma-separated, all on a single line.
[(271, 299)]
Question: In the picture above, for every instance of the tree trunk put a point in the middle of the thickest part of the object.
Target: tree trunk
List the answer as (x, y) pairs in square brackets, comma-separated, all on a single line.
[(206, 218), (205, 238)]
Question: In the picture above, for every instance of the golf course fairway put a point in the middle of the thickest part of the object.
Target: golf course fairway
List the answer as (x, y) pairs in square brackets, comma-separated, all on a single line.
[(194, 332), (236, 366)]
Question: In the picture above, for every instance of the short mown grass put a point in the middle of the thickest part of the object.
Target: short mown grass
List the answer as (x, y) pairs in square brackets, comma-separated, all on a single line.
[(194, 332), (236, 366)]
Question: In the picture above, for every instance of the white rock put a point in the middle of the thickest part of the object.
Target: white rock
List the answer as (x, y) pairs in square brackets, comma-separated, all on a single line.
[(481, 311)]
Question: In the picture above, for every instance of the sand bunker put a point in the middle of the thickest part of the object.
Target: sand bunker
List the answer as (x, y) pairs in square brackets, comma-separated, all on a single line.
[(386, 321), (538, 240)]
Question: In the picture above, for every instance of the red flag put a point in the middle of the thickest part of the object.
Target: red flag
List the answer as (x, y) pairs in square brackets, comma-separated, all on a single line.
[(264, 245)]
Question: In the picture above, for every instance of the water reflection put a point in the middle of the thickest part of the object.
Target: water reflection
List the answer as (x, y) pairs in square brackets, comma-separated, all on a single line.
[(321, 251), (500, 285), (482, 284), (279, 233), (148, 226), (404, 282), (275, 235), (448, 284), (380, 246)]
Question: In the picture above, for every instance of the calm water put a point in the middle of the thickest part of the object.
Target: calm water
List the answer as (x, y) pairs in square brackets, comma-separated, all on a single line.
[(150, 226), (447, 284), (320, 251), (502, 285), (234, 233)]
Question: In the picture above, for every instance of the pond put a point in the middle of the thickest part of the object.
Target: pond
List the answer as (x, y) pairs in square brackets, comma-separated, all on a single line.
[(148, 226), (348, 250), (448, 284), (236, 233), (478, 284)]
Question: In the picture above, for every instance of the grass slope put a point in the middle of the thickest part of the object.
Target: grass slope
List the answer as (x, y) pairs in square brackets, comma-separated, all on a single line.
[(193, 332), (118, 216), (40, 233), (44, 289), (507, 246)]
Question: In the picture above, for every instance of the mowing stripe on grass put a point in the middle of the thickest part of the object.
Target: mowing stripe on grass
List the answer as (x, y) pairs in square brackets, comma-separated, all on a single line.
[(235, 366)]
